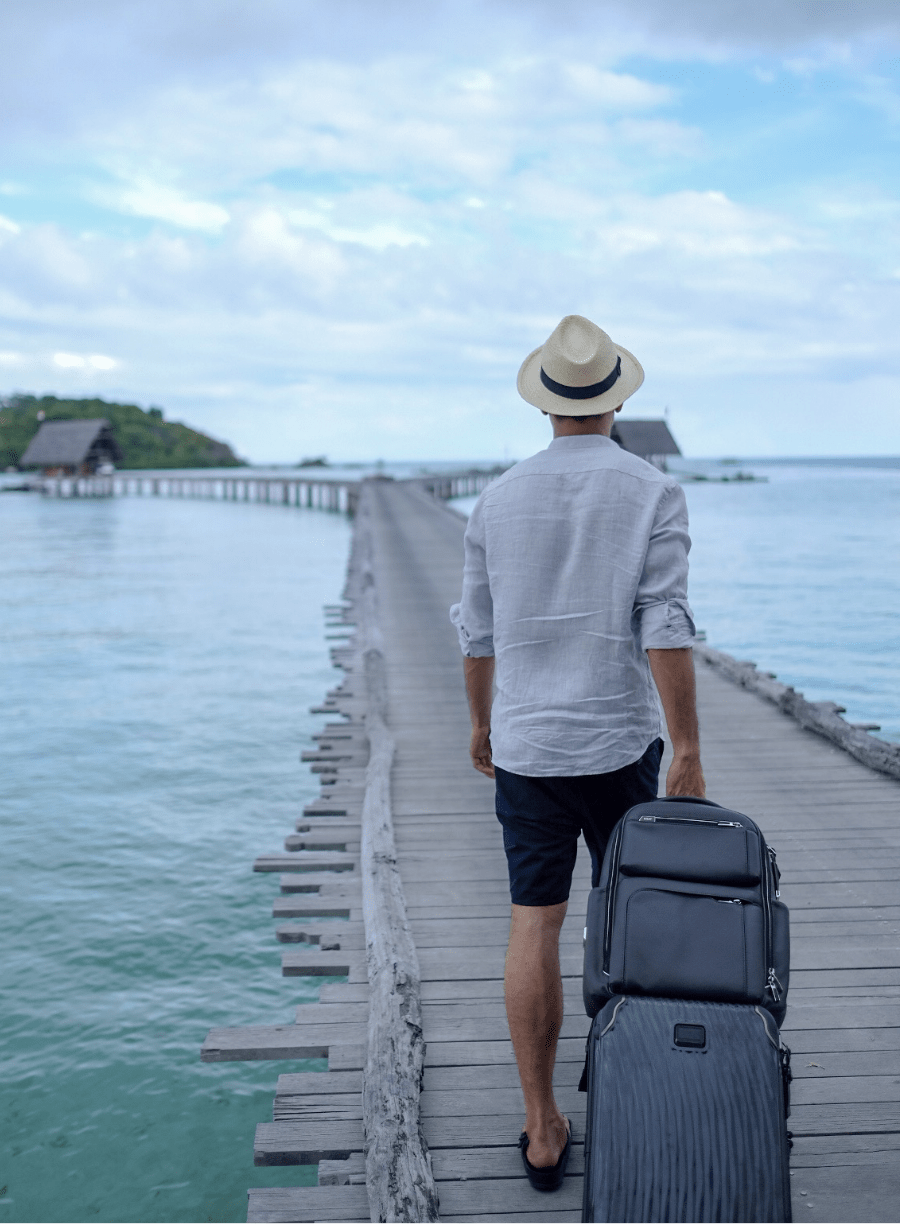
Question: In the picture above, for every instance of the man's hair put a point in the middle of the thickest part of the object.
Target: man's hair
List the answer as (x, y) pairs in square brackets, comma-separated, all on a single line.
[(572, 418)]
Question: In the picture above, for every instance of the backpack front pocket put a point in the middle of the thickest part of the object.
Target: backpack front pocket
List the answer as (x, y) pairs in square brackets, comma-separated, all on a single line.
[(682, 944), (685, 848)]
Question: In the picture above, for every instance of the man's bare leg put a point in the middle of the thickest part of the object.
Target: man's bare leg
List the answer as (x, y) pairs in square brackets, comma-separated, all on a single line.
[(534, 1009)]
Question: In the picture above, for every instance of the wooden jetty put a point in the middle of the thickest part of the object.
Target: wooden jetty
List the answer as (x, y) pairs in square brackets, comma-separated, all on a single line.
[(415, 804), (338, 495)]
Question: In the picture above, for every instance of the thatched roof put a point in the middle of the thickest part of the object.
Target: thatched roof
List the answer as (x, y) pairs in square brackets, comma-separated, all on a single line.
[(645, 438), (70, 444)]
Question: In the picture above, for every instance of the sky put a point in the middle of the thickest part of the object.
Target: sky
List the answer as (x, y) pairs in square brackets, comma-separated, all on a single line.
[(338, 227)]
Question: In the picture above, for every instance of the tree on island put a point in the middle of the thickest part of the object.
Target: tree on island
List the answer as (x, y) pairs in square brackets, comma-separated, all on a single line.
[(145, 438)]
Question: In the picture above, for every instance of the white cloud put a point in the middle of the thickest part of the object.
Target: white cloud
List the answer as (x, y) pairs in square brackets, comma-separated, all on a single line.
[(379, 236), (8, 226), (75, 361), (144, 198)]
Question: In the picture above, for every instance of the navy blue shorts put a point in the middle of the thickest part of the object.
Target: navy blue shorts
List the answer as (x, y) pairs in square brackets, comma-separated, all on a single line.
[(542, 818)]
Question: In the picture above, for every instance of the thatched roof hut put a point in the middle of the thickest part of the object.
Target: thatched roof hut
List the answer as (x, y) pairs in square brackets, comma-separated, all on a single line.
[(649, 439), (72, 447)]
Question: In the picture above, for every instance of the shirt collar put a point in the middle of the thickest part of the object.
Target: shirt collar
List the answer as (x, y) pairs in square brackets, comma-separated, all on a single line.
[(581, 442)]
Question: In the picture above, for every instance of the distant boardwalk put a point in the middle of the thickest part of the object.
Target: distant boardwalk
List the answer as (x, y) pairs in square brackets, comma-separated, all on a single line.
[(834, 822), (314, 493)]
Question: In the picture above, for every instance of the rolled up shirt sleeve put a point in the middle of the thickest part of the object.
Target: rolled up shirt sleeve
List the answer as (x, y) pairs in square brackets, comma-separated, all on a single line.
[(473, 616), (661, 607)]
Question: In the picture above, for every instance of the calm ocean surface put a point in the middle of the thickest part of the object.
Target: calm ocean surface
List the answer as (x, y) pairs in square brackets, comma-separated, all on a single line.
[(157, 661)]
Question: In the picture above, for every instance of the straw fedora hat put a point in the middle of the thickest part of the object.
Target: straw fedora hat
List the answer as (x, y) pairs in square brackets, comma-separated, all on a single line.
[(579, 371)]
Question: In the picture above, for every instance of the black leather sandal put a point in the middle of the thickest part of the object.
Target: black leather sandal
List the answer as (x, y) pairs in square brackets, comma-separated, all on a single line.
[(550, 1177)]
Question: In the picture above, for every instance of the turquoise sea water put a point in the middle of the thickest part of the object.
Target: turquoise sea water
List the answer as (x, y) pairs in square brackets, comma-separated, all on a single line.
[(802, 576), (157, 660)]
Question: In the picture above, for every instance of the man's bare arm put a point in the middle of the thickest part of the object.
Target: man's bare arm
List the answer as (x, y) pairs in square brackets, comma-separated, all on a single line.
[(479, 675), (673, 672)]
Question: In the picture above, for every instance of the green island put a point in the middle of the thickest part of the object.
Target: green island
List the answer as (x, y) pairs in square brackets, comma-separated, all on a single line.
[(146, 439)]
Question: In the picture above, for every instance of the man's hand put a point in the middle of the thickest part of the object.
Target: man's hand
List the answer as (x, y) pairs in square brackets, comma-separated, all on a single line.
[(480, 750), (685, 776), (479, 674)]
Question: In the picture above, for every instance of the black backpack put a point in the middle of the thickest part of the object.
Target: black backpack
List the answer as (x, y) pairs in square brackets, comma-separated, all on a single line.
[(687, 908)]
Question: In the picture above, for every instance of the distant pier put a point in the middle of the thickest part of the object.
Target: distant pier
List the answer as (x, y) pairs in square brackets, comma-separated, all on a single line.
[(315, 493), (395, 879)]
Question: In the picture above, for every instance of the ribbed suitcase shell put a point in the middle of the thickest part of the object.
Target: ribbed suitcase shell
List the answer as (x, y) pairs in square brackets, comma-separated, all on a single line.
[(676, 1134)]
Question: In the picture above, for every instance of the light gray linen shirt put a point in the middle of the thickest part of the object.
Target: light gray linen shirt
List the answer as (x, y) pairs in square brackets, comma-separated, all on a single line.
[(576, 564)]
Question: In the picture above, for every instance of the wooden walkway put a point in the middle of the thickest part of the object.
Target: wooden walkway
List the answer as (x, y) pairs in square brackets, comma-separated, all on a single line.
[(835, 825)]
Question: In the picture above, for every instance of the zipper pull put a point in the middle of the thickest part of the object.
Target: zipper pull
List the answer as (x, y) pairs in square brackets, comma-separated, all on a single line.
[(646, 820), (773, 986), (729, 824), (728, 901), (776, 870)]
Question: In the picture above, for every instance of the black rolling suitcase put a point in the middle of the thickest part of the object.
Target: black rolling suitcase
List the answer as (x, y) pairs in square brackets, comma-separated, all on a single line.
[(686, 1118)]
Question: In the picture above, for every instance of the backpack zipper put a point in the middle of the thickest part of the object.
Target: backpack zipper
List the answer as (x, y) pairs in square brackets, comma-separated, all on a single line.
[(776, 872), (612, 885), (773, 985), (720, 824)]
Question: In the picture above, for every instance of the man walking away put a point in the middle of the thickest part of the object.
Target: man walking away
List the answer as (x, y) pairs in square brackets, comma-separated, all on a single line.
[(575, 588)]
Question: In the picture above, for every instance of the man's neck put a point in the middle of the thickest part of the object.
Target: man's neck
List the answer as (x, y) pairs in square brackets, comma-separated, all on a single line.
[(568, 427)]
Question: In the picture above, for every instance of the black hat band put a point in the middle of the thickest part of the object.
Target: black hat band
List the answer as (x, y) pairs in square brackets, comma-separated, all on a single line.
[(578, 393)]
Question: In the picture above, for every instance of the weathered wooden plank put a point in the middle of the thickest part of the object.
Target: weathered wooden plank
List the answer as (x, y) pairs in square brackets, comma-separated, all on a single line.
[(346, 1057), (848, 1063), (811, 1151), (333, 884), (834, 983), (268, 1205), (327, 1107), (328, 826), (298, 1083), (311, 905), (457, 1027), (348, 1172), (540, 1216), (467, 1102), (296, 843), (328, 936), (320, 964), (816, 1041), (307, 1142), (846, 1089), (253, 1042), (304, 861), (861, 1193), (275, 1205), (842, 1013)]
